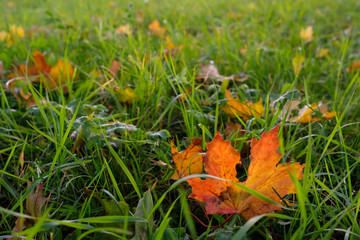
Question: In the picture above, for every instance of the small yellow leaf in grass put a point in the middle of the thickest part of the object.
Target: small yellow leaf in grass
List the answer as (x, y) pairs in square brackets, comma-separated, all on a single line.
[(169, 44), (111, 4), (17, 31), (323, 53), (123, 29), (5, 36), (297, 62), (306, 34), (155, 28), (126, 95)]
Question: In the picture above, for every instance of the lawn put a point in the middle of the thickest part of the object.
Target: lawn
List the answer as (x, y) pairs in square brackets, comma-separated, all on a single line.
[(180, 119)]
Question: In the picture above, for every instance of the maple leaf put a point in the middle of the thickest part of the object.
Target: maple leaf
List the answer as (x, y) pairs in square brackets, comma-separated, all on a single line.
[(155, 28), (264, 176), (306, 114), (245, 110), (306, 34), (54, 77), (187, 162)]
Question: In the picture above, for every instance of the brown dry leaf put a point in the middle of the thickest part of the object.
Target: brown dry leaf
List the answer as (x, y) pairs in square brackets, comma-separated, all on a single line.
[(35, 201), (114, 68), (188, 161), (306, 34), (211, 72), (16, 87), (20, 225), (265, 176), (231, 129), (307, 114), (245, 110), (155, 29), (139, 17), (288, 107)]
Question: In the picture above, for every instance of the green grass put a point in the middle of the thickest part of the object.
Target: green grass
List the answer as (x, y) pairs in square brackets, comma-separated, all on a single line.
[(99, 176)]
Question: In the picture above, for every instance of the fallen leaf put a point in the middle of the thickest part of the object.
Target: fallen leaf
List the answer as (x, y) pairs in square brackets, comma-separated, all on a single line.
[(5, 36), (17, 31), (20, 225), (265, 176), (211, 72), (35, 201), (231, 129), (323, 53), (114, 68), (307, 114), (155, 29), (306, 34), (188, 161), (53, 77), (123, 29), (245, 110), (16, 87), (288, 107), (354, 67), (297, 62), (126, 95), (139, 17)]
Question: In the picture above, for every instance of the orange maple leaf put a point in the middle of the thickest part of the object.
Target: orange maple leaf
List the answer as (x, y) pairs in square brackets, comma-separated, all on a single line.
[(54, 77), (264, 176), (188, 161), (155, 28), (245, 110)]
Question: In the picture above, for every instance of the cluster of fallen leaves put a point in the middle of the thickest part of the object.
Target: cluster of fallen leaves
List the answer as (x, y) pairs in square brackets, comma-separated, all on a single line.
[(229, 195), (52, 77)]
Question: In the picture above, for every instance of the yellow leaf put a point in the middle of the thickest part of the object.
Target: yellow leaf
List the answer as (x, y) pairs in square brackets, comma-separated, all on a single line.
[(17, 31), (306, 34), (123, 29), (126, 95), (297, 62), (323, 53)]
